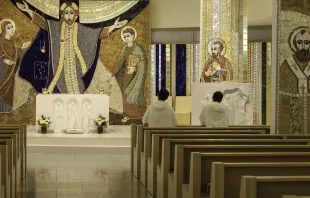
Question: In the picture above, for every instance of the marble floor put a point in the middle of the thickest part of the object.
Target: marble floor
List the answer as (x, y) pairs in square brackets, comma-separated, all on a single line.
[(80, 176)]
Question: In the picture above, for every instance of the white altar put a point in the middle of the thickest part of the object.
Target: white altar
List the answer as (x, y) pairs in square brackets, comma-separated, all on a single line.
[(72, 111), (237, 97)]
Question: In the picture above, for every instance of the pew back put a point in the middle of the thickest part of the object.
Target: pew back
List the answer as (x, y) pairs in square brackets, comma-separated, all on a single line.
[(149, 134), (158, 138), (183, 152), (226, 177), (22, 142), (274, 186), (174, 142)]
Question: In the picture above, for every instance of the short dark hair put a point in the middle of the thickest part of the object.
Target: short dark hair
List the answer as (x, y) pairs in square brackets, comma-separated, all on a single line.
[(163, 94), (220, 44), (217, 97), (302, 32), (130, 31)]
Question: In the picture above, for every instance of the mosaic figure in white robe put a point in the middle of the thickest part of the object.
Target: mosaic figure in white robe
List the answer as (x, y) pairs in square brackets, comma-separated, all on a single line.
[(58, 117), (72, 116), (86, 119)]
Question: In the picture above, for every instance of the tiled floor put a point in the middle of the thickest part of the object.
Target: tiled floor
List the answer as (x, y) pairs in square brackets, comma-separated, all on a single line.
[(81, 176)]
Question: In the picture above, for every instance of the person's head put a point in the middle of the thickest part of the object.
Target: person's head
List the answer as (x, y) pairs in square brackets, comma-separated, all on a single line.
[(216, 49), (163, 94), (302, 44), (129, 35), (69, 12), (8, 29), (217, 97)]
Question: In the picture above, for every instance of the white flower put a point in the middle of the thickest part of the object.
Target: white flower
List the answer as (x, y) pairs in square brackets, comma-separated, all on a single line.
[(42, 122), (46, 122), (100, 123)]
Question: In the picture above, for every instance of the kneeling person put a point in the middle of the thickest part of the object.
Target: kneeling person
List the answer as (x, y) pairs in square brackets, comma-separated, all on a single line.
[(160, 114), (215, 114)]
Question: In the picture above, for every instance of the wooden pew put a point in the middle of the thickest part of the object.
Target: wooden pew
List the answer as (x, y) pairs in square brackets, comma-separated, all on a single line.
[(133, 143), (164, 153), (16, 135), (22, 132), (226, 177), (15, 178), (4, 171), (260, 127), (274, 186), (182, 162), (137, 141), (162, 159), (7, 177), (148, 134), (199, 160), (294, 196)]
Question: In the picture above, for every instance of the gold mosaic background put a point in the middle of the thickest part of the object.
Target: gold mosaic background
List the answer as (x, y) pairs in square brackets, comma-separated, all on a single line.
[(24, 94), (291, 14), (231, 27), (111, 48)]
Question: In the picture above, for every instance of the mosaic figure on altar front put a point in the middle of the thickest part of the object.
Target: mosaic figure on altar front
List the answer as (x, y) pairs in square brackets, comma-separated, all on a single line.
[(86, 115), (72, 60), (217, 68), (295, 81), (58, 116), (73, 121)]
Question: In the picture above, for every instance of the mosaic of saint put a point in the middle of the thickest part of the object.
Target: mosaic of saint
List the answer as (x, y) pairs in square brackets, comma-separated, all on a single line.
[(295, 72), (66, 54), (9, 61), (130, 70), (217, 68)]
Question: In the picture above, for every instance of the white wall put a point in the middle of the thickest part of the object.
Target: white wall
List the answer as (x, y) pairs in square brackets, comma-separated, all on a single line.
[(186, 13)]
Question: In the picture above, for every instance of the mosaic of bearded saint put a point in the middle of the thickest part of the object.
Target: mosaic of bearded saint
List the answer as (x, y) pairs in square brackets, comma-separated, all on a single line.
[(72, 60), (130, 70), (218, 67), (294, 74)]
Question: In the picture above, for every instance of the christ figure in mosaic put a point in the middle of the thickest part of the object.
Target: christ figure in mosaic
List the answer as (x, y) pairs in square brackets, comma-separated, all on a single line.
[(295, 81), (130, 71), (218, 67), (73, 49)]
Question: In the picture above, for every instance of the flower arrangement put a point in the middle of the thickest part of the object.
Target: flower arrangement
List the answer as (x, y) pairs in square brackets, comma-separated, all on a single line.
[(44, 122), (101, 122)]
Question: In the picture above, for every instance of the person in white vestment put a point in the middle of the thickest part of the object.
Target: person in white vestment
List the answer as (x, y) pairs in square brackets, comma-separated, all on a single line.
[(160, 114), (215, 114)]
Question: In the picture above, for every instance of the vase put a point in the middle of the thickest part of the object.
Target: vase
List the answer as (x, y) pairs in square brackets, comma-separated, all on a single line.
[(43, 129), (101, 129)]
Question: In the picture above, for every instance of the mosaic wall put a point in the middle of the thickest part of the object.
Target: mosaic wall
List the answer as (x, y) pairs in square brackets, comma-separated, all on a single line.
[(74, 47), (260, 75), (223, 41), (293, 67)]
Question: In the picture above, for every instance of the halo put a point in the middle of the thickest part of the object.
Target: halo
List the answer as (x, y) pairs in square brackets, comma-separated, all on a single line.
[(4, 20), (293, 35), (73, 5), (218, 40), (127, 27)]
